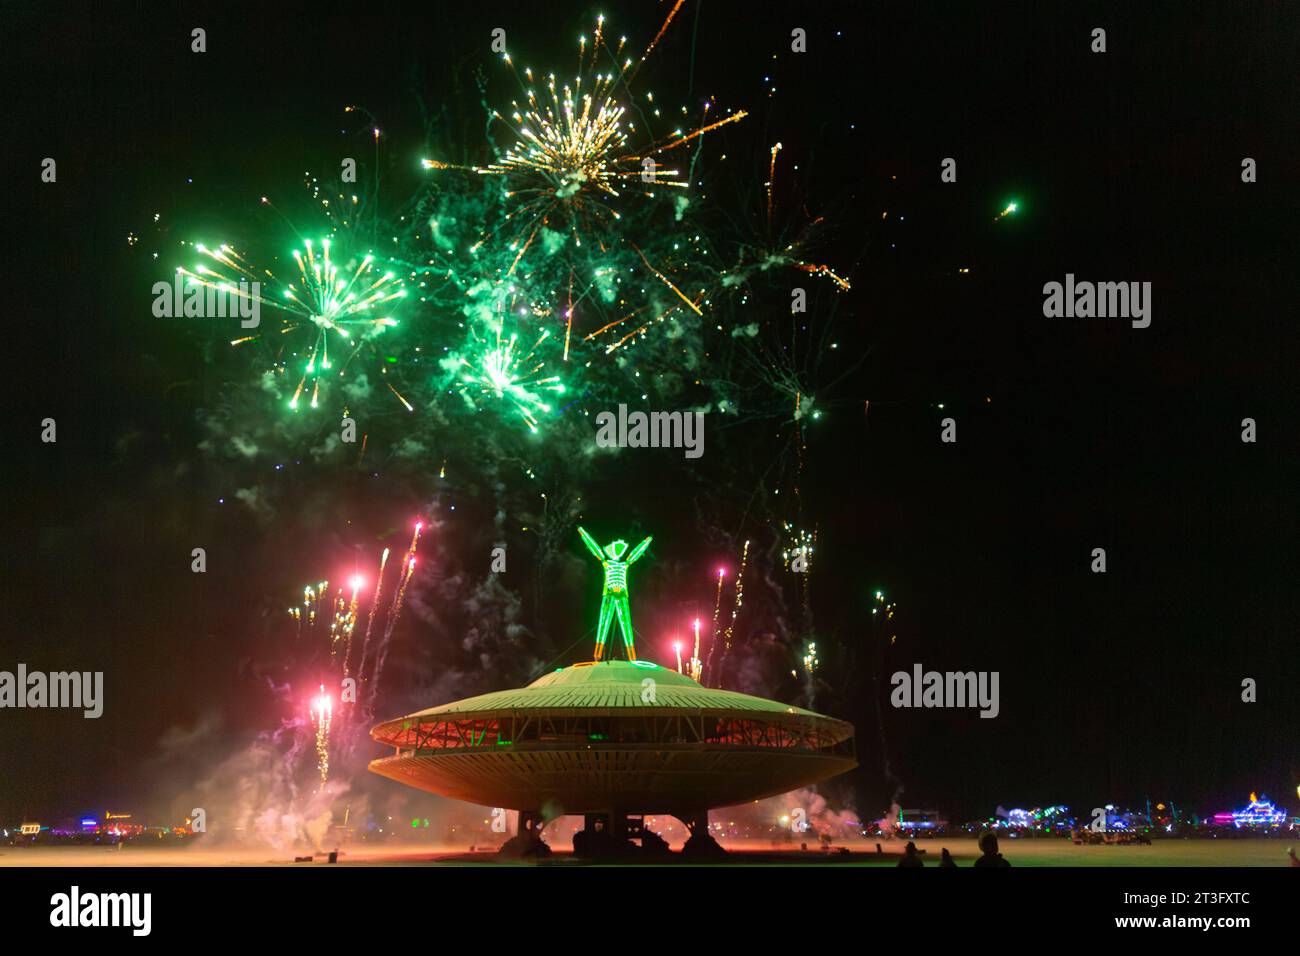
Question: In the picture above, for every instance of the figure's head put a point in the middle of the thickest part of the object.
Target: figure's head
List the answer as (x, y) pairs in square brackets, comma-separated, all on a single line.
[(616, 549)]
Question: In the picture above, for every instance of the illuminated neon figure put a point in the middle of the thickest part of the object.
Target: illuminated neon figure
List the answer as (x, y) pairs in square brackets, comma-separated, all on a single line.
[(614, 597)]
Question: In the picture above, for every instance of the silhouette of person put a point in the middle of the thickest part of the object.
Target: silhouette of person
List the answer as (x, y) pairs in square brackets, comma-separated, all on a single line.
[(910, 857), (947, 859), (991, 857)]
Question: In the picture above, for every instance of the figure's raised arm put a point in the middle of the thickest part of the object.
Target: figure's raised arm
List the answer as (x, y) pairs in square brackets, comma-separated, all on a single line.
[(591, 544), (638, 550)]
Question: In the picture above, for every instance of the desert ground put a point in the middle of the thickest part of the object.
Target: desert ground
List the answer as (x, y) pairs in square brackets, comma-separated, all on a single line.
[(1036, 852)]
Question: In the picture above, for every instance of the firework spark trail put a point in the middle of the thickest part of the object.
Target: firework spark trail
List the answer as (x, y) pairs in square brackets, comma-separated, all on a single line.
[(877, 665), (610, 325), (344, 624), (410, 554), (658, 318), (717, 607), (225, 255), (321, 712), (345, 621), (394, 612), (658, 36), (696, 665), (311, 598), (370, 621), (735, 278), (296, 614), (717, 603), (807, 576), (735, 608), (400, 398), (821, 270), (798, 557), (664, 279), (771, 181), (810, 664), (568, 316), (687, 137), (381, 653)]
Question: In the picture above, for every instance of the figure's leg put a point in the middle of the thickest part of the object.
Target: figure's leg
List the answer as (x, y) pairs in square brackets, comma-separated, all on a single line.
[(606, 619), (624, 611)]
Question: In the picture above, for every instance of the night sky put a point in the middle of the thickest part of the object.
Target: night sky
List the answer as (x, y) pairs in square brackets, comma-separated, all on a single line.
[(1072, 433)]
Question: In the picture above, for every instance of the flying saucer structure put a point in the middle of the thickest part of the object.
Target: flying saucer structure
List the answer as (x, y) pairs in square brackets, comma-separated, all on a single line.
[(614, 736)]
